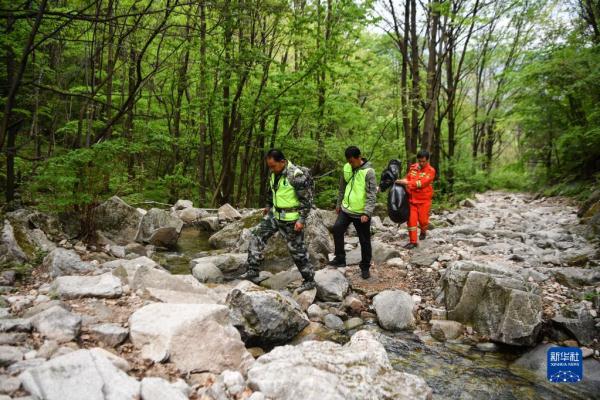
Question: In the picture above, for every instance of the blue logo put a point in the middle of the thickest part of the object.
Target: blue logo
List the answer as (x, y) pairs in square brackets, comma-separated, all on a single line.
[(565, 364)]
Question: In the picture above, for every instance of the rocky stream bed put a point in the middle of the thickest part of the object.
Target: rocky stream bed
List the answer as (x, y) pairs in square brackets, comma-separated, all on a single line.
[(151, 309)]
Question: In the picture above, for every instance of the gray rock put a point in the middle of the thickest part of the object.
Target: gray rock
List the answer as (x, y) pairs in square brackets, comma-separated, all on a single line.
[(192, 336), (10, 250), (110, 334), (159, 228), (394, 310), (443, 330), (13, 338), (315, 312), (577, 322), (228, 262), (117, 221), (264, 317), (305, 299), (383, 252), (282, 279), (353, 323), (191, 215), (576, 277), (182, 204), (207, 272), (82, 374), (227, 213), (496, 301), (15, 325), (73, 287), (179, 297), (209, 224), (65, 262), (159, 389), (10, 355), (332, 285), (57, 323), (228, 385), (333, 322), (9, 384), (325, 370)]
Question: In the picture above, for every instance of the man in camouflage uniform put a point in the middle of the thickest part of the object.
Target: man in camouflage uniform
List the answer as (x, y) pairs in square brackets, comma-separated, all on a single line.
[(289, 201)]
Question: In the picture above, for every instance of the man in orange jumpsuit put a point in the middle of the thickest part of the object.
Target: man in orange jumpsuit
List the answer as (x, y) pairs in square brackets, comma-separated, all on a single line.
[(419, 185)]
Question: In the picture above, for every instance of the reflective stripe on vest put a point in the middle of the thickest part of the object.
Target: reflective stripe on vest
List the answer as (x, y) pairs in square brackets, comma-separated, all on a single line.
[(355, 195), (284, 197)]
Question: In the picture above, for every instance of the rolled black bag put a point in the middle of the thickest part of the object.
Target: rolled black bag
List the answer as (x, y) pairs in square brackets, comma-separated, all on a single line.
[(397, 201)]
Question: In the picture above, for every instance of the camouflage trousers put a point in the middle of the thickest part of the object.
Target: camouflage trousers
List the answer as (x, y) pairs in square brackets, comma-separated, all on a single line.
[(295, 244)]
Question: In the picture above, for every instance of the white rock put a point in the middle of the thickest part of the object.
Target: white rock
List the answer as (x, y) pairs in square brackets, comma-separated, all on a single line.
[(72, 287), (82, 374), (192, 336), (332, 285), (159, 389), (394, 310), (57, 323), (316, 370)]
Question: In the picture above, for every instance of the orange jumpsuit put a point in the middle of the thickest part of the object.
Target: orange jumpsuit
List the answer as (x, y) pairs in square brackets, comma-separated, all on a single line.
[(420, 193)]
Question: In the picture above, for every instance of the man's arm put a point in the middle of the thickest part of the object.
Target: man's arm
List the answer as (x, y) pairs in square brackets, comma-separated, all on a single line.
[(371, 188), (422, 181), (304, 196), (341, 191), (269, 199)]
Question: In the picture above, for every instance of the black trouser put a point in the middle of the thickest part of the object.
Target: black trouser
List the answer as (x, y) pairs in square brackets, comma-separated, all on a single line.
[(364, 237)]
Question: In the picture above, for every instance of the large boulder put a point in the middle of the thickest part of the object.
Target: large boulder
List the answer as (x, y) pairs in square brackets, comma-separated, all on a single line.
[(117, 220), (264, 317), (575, 277), (153, 388), (159, 228), (394, 310), (65, 262), (495, 301), (72, 287), (332, 285), (192, 336), (82, 374), (316, 370)]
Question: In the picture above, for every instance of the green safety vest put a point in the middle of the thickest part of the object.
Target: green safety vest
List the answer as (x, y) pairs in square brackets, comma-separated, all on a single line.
[(284, 197), (355, 195)]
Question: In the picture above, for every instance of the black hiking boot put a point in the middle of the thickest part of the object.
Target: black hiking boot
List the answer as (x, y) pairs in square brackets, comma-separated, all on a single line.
[(365, 274), (423, 236), (306, 285), (410, 246), (337, 263), (251, 275)]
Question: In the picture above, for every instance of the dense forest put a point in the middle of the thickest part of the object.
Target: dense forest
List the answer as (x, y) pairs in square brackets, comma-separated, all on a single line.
[(160, 100)]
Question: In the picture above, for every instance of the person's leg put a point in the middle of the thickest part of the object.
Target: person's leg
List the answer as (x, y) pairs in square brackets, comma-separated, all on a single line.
[(412, 223), (258, 241), (297, 248), (339, 229), (364, 238), (424, 209)]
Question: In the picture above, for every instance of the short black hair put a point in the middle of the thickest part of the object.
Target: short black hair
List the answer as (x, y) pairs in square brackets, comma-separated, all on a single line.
[(352, 152), (423, 153), (275, 154)]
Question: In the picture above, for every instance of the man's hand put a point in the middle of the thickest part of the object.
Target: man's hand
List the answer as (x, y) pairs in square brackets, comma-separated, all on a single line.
[(266, 210), (299, 226), (337, 210), (364, 219), (401, 182)]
